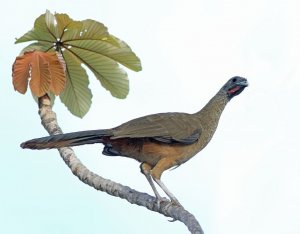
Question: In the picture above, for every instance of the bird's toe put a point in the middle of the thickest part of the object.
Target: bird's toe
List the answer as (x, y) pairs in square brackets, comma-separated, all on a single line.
[(161, 200)]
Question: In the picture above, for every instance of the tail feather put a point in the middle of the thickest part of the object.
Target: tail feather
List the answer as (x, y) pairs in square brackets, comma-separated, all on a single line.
[(66, 140)]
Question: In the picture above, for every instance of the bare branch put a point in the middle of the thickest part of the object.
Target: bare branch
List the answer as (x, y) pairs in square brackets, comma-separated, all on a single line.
[(166, 208)]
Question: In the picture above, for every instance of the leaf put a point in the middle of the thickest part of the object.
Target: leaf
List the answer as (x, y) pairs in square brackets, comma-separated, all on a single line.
[(40, 46), (108, 72), (40, 74), (21, 73), (76, 96), (40, 32), (44, 69), (58, 80), (122, 54), (86, 29), (87, 42), (63, 20), (51, 23)]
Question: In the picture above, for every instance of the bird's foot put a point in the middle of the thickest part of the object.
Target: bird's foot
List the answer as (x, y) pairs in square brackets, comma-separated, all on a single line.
[(159, 200), (176, 202), (173, 202)]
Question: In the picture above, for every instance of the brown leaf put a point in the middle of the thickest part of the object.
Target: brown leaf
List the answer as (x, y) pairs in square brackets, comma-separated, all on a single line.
[(45, 70), (21, 73), (57, 70), (40, 74)]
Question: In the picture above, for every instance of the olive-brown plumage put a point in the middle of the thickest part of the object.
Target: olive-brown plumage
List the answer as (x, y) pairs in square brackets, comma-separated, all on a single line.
[(159, 141)]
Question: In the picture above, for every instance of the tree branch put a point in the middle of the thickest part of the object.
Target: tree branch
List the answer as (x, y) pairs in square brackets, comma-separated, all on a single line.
[(166, 208)]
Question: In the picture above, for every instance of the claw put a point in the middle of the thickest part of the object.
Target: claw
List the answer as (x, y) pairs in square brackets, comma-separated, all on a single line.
[(176, 203), (172, 220)]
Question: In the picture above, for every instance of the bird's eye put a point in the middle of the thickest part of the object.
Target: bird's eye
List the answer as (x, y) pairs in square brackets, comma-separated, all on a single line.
[(234, 80)]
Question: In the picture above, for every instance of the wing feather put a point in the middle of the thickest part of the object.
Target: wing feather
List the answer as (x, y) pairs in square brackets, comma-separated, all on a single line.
[(164, 127)]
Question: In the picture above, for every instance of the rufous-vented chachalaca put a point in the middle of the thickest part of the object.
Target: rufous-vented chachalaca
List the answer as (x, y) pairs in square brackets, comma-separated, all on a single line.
[(158, 141)]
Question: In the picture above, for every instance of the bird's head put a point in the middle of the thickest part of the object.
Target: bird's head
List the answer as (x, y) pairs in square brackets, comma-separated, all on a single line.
[(234, 86)]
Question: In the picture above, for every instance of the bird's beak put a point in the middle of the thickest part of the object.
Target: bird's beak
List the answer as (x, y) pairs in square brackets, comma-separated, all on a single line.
[(243, 83)]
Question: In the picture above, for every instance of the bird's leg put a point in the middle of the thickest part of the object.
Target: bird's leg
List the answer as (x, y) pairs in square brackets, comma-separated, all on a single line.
[(167, 191), (145, 169), (156, 173)]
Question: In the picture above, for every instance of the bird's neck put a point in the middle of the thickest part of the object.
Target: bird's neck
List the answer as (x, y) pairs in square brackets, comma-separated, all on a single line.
[(214, 108)]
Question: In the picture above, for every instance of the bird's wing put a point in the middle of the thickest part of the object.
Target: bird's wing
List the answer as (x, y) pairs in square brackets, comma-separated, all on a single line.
[(164, 127)]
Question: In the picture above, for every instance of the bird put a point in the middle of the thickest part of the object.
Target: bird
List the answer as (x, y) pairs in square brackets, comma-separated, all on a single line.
[(158, 141)]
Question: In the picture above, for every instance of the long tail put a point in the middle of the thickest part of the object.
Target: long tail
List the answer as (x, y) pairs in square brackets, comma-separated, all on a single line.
[(68, 139)]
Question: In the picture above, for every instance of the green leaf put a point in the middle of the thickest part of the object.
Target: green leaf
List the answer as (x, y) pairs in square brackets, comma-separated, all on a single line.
[(40, 46), (51, 24), (108, 72), (122, 54), (40, 32), (77, 96), (86, 29), (63, 21)]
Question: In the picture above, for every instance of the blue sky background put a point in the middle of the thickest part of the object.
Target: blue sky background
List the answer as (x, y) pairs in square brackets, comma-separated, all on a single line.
[(248, 178)]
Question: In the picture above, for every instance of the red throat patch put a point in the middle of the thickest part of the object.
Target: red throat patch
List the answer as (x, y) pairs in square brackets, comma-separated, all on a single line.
[(233, 90)]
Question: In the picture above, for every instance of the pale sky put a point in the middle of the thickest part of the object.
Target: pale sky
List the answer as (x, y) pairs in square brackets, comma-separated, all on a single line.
[(246, 181)]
